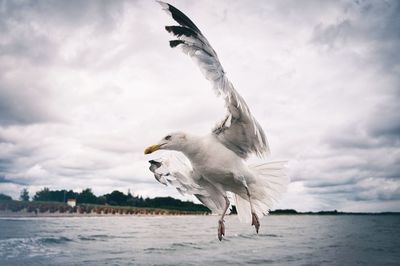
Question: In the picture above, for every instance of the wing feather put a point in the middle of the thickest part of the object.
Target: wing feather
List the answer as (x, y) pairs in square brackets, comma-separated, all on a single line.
[(238, 131), (176, 171)]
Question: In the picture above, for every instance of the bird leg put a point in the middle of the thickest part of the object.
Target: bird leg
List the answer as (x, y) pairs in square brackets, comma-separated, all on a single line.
[(254, 218), (255, 221), (221, 229), (221, 226)]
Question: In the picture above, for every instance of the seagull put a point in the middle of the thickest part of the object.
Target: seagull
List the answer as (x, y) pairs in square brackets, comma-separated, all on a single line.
[(213, 167)]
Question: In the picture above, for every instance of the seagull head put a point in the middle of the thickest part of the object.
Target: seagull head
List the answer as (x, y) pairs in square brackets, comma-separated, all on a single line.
[(173, 141)]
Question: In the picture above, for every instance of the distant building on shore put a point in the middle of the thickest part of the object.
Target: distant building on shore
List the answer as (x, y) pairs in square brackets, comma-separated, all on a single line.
[(71, 202)]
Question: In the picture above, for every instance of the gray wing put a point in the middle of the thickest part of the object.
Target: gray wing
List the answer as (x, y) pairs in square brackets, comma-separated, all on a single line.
[(239, 131), (177, 172)]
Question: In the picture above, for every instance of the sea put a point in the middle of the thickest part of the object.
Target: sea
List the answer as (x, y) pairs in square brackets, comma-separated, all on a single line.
[(192, 240)]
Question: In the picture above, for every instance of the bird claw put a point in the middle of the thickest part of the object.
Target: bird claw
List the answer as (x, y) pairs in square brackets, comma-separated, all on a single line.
[(255, 221), (221, 229)]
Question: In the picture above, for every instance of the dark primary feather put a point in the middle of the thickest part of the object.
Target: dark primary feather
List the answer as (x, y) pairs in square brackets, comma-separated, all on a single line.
[(175, 43), (181, 18), (179, 31), (194, 39)]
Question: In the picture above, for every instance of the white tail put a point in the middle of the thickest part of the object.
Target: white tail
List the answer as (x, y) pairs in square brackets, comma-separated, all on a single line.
[(271, 182)]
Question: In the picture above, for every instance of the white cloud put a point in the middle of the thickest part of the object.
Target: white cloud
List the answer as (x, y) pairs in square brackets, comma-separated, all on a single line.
[(85, 86)]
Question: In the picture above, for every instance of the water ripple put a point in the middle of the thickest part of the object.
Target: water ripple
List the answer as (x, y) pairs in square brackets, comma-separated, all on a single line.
[(55, 240)]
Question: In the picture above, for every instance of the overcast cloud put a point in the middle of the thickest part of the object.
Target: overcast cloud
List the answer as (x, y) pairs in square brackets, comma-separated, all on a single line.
[(86, 85)]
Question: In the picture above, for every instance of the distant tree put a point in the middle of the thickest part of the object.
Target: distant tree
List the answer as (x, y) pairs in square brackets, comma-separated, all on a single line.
[(283, 211), (171, 203), (86, 196), (131, 200), (42, 195), (139, 202), (24, 196), (4, 197), (70, 194), (116, 198), (101, 200), (57, 195)]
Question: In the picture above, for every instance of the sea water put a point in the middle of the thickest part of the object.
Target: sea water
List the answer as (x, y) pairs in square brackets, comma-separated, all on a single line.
[(192, 240)]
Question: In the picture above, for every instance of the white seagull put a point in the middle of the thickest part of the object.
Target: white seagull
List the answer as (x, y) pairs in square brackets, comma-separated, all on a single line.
[(217, 164)]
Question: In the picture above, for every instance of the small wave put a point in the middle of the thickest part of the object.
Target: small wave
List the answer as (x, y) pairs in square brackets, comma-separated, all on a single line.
[(55, 240), (158, 250), (186, 245), (116, 252), (255, 236), (247, 236), (108, 237), (260, 261), (28, 247), (100, 236), (269, 235), (86, 238)]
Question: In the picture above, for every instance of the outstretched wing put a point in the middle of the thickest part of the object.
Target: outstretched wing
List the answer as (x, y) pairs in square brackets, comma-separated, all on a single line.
[(239, 131), (176, 171)]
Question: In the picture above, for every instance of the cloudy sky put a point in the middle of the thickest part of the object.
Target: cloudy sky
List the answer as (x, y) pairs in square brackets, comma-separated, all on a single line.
[(86, 85)]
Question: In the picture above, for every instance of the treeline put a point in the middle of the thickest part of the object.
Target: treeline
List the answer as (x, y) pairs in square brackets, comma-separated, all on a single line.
[(4, 197), (115, 198)]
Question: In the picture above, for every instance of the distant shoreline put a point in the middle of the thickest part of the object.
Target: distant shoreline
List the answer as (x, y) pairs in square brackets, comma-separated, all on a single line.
[(12, 208), (25, 214), (337, 214), (59, 209), (17, 209), (334, 212)]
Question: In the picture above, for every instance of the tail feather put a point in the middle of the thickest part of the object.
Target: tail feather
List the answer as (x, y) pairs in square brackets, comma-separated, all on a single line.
[(271, 183)]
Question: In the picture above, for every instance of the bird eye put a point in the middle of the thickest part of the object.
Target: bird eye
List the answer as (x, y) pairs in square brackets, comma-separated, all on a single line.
[(168, 137)]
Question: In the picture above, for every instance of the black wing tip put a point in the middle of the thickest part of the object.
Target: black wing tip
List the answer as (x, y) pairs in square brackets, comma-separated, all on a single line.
[(178, 16), (169, 29), (154, 162), (181, 30), (175, 43)]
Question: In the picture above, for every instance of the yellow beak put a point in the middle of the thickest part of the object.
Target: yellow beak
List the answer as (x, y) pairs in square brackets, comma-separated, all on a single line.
[(151, 149)]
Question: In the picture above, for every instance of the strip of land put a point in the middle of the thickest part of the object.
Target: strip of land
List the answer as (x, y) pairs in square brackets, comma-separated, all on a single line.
[(12, 208), (334, 212)]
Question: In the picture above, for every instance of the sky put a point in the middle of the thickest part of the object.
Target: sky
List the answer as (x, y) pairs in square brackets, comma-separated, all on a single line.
[(85, 86)]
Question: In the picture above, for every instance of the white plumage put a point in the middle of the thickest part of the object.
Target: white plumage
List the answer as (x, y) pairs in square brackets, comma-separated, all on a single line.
[(214, 165)]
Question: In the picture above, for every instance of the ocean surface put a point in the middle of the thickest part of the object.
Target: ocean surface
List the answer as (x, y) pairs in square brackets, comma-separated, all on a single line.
[(192, 240)]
